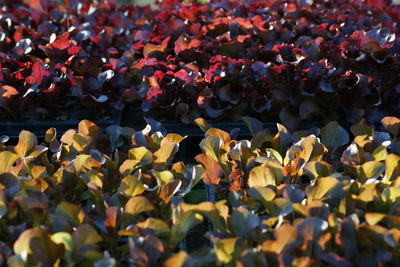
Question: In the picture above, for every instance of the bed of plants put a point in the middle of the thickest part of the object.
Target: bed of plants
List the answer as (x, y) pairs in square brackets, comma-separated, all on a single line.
[(286, 60), (324, 197), (118, 196)]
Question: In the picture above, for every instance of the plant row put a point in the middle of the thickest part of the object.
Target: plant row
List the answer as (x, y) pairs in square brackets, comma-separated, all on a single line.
[(117, 198), (292, 60)]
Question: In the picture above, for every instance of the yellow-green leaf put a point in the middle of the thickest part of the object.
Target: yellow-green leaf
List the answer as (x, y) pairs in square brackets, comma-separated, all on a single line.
[(318, 169), (89, 128), (7, 159), (285, 235), (162, 177), (137, 205), (26, 144), (392, 167), (261, 176), (73, 213), (380, 153), (131, 186), (321, 187), (371, 170), (142, 154), (225, 250), (373, 218), (180, 259), (203, 124), (264, 194), (159, 227)]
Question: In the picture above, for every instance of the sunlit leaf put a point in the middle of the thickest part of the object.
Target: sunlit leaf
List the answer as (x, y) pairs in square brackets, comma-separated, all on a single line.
[(65, 239), (131, 186), (212, 172), (261, 193), (26, 144), (367, 192), (137, 205), (282, 140), (142, 154), (321, 187), (392, 167), (181, 259), (159, 227), (89, 128), (203, 124), (373, 218), (162, 177), (284, 236), (225, 250), (210, 211), (183, 219), (211, 146), (317, 169), (261, 176), (372, 170), (313, 150), (7, 159)]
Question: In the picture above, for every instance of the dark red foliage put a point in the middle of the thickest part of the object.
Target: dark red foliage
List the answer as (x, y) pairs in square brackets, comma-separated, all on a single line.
[(289, 60)]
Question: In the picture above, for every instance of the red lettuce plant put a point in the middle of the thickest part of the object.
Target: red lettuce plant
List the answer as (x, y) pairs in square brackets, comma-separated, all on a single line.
[(289, 60)]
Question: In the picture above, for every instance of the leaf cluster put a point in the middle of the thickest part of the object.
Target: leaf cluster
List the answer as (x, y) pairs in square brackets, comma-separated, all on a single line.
[(307, 198), (292, 60)]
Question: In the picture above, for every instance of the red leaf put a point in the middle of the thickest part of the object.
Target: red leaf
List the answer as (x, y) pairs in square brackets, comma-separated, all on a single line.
[(112, 216), (150, 48), (61, 44), (6, 93), (50, 89), (153, 92), (38, 71), (183, 43), (73, 50)]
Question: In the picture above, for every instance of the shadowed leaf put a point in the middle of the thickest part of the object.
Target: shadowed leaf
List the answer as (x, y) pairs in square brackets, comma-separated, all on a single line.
[(391, 124), (332, 135)]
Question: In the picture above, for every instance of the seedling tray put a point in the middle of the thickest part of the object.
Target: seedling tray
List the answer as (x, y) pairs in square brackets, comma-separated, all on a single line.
[(39, 128)]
